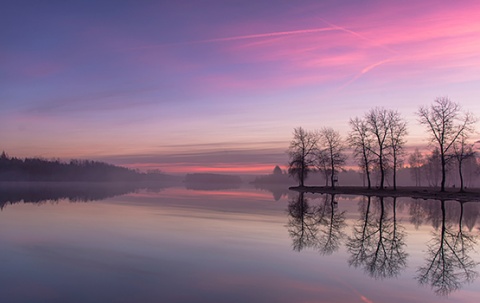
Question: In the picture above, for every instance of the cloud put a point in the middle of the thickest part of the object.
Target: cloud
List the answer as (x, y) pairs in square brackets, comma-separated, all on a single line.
[(215, 157)]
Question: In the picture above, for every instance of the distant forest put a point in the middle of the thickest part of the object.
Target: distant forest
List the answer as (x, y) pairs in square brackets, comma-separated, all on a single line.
[(36, 169)]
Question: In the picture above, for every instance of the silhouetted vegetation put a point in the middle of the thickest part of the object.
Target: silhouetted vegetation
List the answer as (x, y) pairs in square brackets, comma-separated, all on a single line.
[(378, 143), (276, 177), (302, 154), (447, 124), (36, 169), (276, 183), (331, 155)]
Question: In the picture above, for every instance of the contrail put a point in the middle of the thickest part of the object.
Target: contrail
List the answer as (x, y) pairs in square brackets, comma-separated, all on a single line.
[(372, 66), (273, 34), (334, 26), (361, 73), (245, 37)]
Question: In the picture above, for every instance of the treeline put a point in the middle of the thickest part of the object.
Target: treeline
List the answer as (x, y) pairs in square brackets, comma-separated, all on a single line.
[(377, 141), (36, 169)]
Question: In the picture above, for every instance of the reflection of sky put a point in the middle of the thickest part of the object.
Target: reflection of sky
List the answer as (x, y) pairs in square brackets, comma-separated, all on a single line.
[(181, 83), (181, 247)]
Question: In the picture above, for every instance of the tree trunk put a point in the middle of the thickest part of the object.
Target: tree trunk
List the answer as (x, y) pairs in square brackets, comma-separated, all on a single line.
[(442, 186), (332, 177), (394, 175), (369, 183), (382, 172), (461, 175)]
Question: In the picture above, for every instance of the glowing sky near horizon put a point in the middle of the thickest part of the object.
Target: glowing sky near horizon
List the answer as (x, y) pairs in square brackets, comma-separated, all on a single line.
[(220, 85)]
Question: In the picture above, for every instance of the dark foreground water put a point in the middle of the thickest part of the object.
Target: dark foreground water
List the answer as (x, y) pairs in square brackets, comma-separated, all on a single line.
[(179, 245)]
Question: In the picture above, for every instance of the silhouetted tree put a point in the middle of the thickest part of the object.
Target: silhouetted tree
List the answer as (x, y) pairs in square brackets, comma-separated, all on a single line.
[(361, 143), (301, 153), (462, 151), (322, 164), (277, 170), (334, 148), (378, 122), (396, 140), (446, 123)]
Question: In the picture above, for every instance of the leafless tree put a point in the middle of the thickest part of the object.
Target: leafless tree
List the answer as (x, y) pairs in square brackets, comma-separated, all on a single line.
[(462, 151), (379, 126), (445, 121), (301, 152), (396, 140), (361, 143), (334, 147), (322, 164)]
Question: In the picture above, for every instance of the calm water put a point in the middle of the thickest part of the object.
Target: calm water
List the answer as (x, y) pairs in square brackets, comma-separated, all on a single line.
[(242, 245)]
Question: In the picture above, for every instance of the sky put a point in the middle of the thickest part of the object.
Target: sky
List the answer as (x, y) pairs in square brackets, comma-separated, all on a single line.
[(219, 86)]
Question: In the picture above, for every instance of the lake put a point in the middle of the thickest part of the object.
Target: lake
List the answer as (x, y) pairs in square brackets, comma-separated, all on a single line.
[(234, 245)]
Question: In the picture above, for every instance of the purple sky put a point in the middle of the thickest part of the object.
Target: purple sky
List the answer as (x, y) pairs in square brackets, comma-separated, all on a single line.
[(220, 85)]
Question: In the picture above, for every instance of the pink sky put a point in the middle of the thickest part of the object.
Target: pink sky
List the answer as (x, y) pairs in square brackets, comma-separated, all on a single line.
[(213, 86)]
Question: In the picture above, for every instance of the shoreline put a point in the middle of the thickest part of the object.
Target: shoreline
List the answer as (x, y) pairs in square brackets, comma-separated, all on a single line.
[(424, 193)]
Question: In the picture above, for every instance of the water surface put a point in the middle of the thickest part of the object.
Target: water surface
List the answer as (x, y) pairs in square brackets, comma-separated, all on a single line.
[(240, 245)]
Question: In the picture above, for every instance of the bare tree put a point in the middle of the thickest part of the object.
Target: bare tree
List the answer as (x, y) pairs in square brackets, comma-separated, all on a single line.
[(301, 152), (322, 164), (361, 142), (415, 160), (462, 151), (379, 126), (396, 140), (445, 121), (334, 147)]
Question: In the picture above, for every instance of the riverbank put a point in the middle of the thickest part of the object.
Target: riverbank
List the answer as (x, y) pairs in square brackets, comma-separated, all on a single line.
[(425, 193)]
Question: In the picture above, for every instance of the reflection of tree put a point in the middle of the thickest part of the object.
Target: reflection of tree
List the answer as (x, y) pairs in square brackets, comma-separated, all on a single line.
[(302, 224), (448, 264), (320, 227), (278, 190), (40, 192), (378, 241), (331, 224)]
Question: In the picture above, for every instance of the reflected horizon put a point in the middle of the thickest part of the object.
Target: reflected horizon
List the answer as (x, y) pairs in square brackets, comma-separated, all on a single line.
[(221, 241)]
